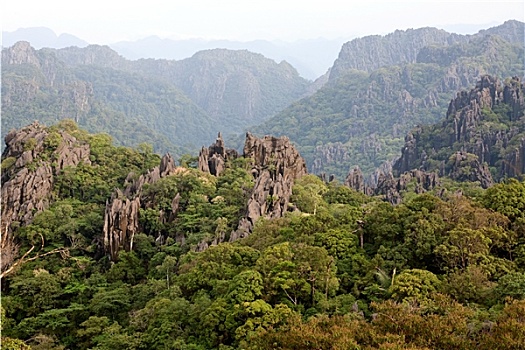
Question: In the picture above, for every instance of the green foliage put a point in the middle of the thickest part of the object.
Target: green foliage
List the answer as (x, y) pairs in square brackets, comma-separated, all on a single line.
[(8, 163), (341, 270), (360, 118), (414, 285)]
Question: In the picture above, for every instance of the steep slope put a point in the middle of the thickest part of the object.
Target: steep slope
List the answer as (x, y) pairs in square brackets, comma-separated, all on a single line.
[(235, 88), (37, 85), (482, 138), (172, 104), (403, 46), (359, 118)]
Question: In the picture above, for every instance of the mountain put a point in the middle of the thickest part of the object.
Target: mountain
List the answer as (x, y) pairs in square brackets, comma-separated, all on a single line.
[(482, 138), (40, 37), (403, 46), (374, 96), (235, 87), (177, 103), (311, 57), (37, 85)]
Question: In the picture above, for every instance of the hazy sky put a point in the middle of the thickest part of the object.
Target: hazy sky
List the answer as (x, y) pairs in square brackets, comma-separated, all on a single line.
[(106, 21)]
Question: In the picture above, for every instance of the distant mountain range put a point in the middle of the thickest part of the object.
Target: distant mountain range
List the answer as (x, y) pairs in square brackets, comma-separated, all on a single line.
[(357, 114), (311, 58), (177, 106)]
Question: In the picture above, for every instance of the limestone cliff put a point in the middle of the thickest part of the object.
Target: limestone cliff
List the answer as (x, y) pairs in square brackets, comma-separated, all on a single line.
[(33, 155), (213, 158), (482, 137), (276, 164), (121, 216)]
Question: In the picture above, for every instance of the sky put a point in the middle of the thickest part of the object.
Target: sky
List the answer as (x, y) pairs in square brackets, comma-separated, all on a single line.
[(108, 21)]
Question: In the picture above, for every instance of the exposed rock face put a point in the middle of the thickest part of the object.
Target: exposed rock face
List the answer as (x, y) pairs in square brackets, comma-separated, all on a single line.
[(356, 180), (28, 171), (276, 165), (121, 222), (467, 167), (121, 217), (20, 53), (372, 52), (389, 187), (213, 158), (476, 140)]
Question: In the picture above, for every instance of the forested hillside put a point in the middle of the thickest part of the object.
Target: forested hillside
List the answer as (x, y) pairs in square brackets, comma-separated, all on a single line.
[(362, 114), (106, 244), (338, 269), (37, 85), (174, 105), (482, 138)]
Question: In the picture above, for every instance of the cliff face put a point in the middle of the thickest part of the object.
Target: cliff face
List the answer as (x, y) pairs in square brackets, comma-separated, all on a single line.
[(121, 217), (422, 45), (372, 52), (33, 155), (276, 165), (484, 128)]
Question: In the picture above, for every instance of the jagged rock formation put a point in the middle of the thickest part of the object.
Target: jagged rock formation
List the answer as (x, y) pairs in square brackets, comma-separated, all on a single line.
[(391, 188), (213, 158), (121, 217), (275, 162), (356, 180), (276, 165), (467, 167), (484, 128), (33, 155)]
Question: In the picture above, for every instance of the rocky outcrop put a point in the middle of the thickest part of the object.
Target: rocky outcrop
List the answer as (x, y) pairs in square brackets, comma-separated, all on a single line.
[(121, 223), (466, 167), (276, 164), (33, 155), (212, 159), (391, 188), (484, 128), (20, 53), (121, 216), (356, 180)]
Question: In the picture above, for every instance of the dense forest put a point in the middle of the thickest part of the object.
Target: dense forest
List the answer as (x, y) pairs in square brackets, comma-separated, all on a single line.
[(444, 269), (105, 244)]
